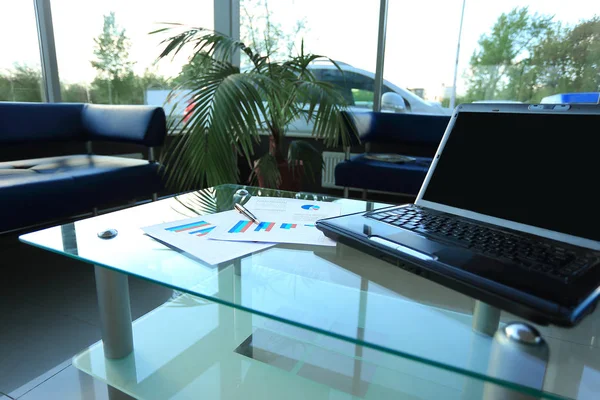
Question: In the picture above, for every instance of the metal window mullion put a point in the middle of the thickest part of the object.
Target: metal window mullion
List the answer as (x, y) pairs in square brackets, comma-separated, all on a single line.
[(51, 82), (383, 10), (378, 90), (227, 21)]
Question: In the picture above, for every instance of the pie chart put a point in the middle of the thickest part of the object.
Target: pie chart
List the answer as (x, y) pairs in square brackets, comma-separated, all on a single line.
[(310, 207)]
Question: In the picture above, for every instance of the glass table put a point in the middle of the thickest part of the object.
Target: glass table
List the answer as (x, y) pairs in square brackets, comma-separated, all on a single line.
[(296, 321)]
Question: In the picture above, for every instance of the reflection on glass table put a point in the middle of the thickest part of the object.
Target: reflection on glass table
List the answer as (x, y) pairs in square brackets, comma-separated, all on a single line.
[(191, 346), (348, 299)]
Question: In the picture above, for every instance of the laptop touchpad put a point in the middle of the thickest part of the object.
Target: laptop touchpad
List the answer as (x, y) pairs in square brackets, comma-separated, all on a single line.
[(416, 242)]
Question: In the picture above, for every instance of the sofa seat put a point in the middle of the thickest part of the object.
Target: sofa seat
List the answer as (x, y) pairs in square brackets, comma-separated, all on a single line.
[(361, 172), (63, 186)]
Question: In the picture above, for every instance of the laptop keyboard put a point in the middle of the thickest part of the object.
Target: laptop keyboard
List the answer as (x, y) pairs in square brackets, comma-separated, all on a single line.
[(543, 257)]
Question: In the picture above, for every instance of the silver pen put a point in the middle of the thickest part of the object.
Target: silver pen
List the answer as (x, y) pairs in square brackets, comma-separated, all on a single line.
[(243, 210)]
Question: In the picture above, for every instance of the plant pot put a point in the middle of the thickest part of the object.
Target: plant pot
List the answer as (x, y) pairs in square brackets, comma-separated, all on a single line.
[(290, 180)]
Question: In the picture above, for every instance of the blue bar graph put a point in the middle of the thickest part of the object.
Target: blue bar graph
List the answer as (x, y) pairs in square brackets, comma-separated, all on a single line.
[(187, 227), (202, 232), (241, 227), (264, 226), (288, 226)]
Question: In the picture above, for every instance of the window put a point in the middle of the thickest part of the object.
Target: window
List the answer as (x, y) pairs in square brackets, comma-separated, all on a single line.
[(271, 26), (20, 72), (420, 52), (530, 51), (106, 55), (510, 51), (342, 30)]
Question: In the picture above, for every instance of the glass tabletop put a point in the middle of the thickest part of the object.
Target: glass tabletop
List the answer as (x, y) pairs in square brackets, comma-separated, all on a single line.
[(336, 292), (235, 354)]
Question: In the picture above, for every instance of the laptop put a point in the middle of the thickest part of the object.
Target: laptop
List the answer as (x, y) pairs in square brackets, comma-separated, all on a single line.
[(508, 213)]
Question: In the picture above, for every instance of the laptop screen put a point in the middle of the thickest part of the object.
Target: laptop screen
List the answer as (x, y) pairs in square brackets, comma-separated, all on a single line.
[(536, 169)]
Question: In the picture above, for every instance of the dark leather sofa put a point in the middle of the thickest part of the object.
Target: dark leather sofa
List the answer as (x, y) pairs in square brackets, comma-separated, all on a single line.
[(392, 131), (48, 189)]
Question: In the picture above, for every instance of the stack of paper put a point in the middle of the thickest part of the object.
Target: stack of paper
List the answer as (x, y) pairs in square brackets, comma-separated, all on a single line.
[(224, 236)]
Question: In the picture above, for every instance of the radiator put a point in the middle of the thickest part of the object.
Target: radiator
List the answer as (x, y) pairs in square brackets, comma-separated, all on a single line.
[(331, 159)]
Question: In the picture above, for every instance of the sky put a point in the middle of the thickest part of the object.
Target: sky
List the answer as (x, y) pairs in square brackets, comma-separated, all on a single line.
[(420, 48)]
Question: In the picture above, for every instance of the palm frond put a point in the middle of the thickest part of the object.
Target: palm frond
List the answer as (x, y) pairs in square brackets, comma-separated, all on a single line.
[(310, 157), (215, 45), (323, 104), (223, 121), (227, 108), (268, 169)]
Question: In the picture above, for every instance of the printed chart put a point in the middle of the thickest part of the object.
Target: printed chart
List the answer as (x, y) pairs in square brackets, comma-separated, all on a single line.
[(312, 207), (269, 231), (296, 210), (243, 226), (191, 236), (199, 228)]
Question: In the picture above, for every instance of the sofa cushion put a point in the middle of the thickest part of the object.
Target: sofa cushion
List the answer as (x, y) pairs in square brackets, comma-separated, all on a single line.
[(360, 172), (27, 122), (33, 191)]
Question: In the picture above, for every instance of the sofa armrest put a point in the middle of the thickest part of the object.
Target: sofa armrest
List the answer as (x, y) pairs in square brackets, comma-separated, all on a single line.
[(144, 125)]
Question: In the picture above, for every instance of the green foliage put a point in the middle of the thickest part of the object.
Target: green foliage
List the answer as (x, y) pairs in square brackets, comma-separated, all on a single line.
[(115, 83), (496, 65), (127, 89), (196, 66), (526, 57), (568, 59), (459, 99), (112, 50), (75, 93), (304, 153), (23, 83), (261, 32), (115, 75), (231, 107), (267, 167)]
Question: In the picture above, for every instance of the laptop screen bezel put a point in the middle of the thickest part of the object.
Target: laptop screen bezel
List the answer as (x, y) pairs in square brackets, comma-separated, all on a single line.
[(506, 108)]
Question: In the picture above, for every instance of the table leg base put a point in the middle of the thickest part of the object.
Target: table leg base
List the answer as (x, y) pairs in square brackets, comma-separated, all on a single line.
[(486, 318), (112, 290)]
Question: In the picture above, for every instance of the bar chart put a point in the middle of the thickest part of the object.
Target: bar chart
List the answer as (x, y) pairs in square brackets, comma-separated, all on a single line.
[(270, 232), (266, 226), (241, 227), (188, 227), (202, 232)]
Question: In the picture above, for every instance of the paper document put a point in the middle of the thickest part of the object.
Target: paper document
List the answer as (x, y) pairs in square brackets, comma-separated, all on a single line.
[(279, 209), (282, 221), (190, 235)]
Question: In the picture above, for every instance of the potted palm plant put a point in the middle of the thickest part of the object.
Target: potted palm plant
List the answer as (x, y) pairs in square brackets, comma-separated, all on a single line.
[(228, 108)]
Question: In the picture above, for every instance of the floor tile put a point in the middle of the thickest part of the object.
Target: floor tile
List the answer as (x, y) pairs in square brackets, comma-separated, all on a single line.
[(48, 311), (39, 339), (15, 394), (69, 384)]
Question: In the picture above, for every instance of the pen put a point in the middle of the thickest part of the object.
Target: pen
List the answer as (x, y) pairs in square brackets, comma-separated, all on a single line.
[(246, 212)]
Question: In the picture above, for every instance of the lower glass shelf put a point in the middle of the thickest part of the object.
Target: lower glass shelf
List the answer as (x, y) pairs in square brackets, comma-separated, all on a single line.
[(190, 347)]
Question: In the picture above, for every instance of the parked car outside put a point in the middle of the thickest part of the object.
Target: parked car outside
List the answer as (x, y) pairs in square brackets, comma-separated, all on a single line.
[(356, 85)]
